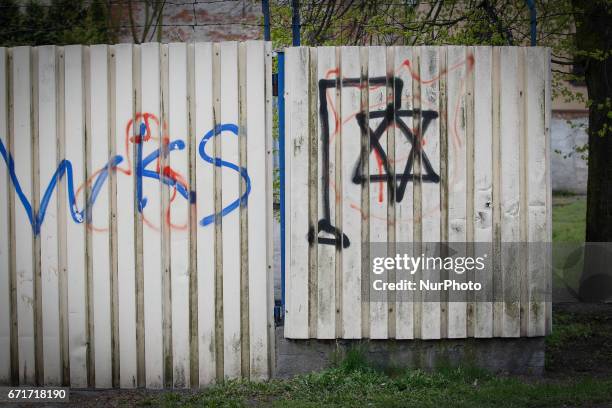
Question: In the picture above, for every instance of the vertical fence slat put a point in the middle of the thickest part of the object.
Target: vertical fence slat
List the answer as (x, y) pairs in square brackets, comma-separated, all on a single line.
[(391, 189), (5, 306), (112, 231), (338, 174), (296, 124), (126, 257), (471, 250), (24, 264), (536, 63), (149, 189), (178, 216), (256, 165), (75, 231), (351, 194), (99, 223), (377, 70), (163, 163), (243, 215), (62, 219), (547, 133), (270, 177), (230, 191), (497, 275), (430, 199), (132, 134), (326, 251), (313, 191), (49, 261), (510, 122), (37, 285), (523, 267), (483, 184), (205, 208), (445, 135), (190, 145), (456, 182), (218, 205), (417, 191), (364, 203), (404, 145)]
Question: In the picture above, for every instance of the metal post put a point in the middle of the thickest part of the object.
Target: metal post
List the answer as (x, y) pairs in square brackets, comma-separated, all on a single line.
[(265, 8), (295, 22), (281, 148)]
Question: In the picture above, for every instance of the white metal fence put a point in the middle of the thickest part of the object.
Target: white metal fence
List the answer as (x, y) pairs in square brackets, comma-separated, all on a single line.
[(135, 214), (355, 118)]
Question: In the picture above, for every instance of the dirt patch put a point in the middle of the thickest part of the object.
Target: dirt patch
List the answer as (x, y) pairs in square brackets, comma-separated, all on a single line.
[(581, 340)]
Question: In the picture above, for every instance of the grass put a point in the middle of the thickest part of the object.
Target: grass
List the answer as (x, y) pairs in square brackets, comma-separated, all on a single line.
[(568, 234), (578, 375), (355, 383), (565, 331), (569, 217), (363, 386), (580, 340)]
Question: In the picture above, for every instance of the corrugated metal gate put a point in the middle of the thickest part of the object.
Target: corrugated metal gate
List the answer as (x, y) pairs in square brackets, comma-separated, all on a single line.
[(355, 118), (135, 214)]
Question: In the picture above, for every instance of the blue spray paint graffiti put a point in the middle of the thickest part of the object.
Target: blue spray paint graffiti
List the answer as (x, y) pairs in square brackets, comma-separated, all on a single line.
[(65, 167), (217, 161), (79, 216)]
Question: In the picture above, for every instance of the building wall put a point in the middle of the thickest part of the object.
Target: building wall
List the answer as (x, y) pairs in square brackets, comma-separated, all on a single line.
[(212, 20), (569, 167), (568, 130)]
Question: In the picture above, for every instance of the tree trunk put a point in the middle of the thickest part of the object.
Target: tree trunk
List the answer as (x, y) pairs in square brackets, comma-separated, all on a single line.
[(594, 36)]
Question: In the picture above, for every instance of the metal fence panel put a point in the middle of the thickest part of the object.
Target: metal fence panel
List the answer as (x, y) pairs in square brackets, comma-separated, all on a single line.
[(136, 208), (420, 145)]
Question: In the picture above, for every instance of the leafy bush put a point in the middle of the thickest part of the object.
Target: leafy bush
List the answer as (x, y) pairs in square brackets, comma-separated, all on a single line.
[(57, 22)]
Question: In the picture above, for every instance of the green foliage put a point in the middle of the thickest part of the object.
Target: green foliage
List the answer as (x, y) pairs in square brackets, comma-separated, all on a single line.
[(57, 22), (280, 30), (453, 22), (276, 179), (10, 22)]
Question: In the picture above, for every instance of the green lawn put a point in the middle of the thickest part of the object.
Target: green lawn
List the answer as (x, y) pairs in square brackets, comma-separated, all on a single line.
[(578, 374), (365, 387), (569, 216), (568, 234)]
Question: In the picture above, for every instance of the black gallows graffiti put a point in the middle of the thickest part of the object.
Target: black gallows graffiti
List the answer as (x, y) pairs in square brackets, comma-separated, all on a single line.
[(329, 234)]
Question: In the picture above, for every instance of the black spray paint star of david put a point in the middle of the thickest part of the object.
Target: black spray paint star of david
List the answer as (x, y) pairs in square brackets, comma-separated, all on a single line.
[(397, 182)]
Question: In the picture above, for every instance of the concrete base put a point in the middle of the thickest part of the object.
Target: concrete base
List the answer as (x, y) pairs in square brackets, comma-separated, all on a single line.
[(497, 355)]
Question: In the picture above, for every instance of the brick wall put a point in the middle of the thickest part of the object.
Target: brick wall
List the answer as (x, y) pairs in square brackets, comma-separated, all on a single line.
[(195, 20)]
